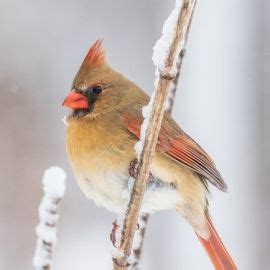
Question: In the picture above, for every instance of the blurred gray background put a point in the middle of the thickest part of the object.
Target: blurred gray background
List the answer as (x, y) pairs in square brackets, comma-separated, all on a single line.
[(223, 102)]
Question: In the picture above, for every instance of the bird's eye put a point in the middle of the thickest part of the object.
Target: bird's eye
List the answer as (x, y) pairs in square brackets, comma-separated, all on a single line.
[(97, 89)]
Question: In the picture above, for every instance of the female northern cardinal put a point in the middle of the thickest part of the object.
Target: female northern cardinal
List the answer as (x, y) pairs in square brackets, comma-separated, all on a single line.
[(101, 133)]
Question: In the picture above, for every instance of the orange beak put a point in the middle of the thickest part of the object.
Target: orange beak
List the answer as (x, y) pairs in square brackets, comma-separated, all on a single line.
[(76, 101)]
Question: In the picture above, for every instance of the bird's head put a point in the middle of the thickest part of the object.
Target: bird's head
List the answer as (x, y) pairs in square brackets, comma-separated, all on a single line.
[(96, 88)]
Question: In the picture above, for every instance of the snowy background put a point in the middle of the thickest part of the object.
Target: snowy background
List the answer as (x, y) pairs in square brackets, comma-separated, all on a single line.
[(223, 103)]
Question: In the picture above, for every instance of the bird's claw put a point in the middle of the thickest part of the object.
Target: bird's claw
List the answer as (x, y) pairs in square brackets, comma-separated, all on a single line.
[(133, 169), (133, 172), (121, 262), (113, 232)]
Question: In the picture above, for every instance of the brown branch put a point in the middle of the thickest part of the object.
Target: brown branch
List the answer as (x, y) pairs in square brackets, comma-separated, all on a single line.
[(137, 252), (166, 75)]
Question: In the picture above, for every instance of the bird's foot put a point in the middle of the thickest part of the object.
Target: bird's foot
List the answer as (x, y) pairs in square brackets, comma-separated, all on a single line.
[(133, 172), (114, 230), (122, 262), (113, 233), (133, 169)]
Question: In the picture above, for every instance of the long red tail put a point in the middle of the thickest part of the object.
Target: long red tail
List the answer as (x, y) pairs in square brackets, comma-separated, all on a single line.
[(216, 251)]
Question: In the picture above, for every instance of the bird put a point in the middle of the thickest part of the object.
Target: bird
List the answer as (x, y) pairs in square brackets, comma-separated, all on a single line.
[(103, 127)]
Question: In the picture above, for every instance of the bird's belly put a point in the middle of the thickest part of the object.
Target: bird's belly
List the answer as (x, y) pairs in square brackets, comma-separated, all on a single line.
[(160, 196), (112, 191), (105, 189)]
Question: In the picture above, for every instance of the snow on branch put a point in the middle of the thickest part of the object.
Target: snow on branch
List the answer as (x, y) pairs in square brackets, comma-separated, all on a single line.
[(165, 57), (54, 189)]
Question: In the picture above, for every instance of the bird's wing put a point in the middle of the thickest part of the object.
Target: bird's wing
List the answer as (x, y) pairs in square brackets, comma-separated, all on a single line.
[(174, 142)]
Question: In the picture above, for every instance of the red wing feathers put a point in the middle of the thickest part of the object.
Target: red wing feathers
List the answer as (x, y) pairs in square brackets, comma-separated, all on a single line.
[(187, 152), (178, 145)]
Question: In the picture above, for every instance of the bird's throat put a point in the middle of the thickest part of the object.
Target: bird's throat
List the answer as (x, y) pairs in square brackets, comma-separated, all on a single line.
[(78, 113)]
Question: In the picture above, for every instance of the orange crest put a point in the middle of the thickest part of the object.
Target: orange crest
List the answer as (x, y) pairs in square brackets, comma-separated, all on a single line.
[(95, 55)]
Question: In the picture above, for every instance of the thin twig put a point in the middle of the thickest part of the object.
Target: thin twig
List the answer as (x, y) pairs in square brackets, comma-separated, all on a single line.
[(140, 234), (157, 108)]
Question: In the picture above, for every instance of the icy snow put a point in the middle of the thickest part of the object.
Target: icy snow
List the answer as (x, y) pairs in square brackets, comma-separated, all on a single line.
[(54, 189), (54, 182), (162, 46), (146, 115)]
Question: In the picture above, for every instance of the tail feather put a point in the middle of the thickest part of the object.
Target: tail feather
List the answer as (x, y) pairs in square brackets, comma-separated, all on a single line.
[(216, 251)]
